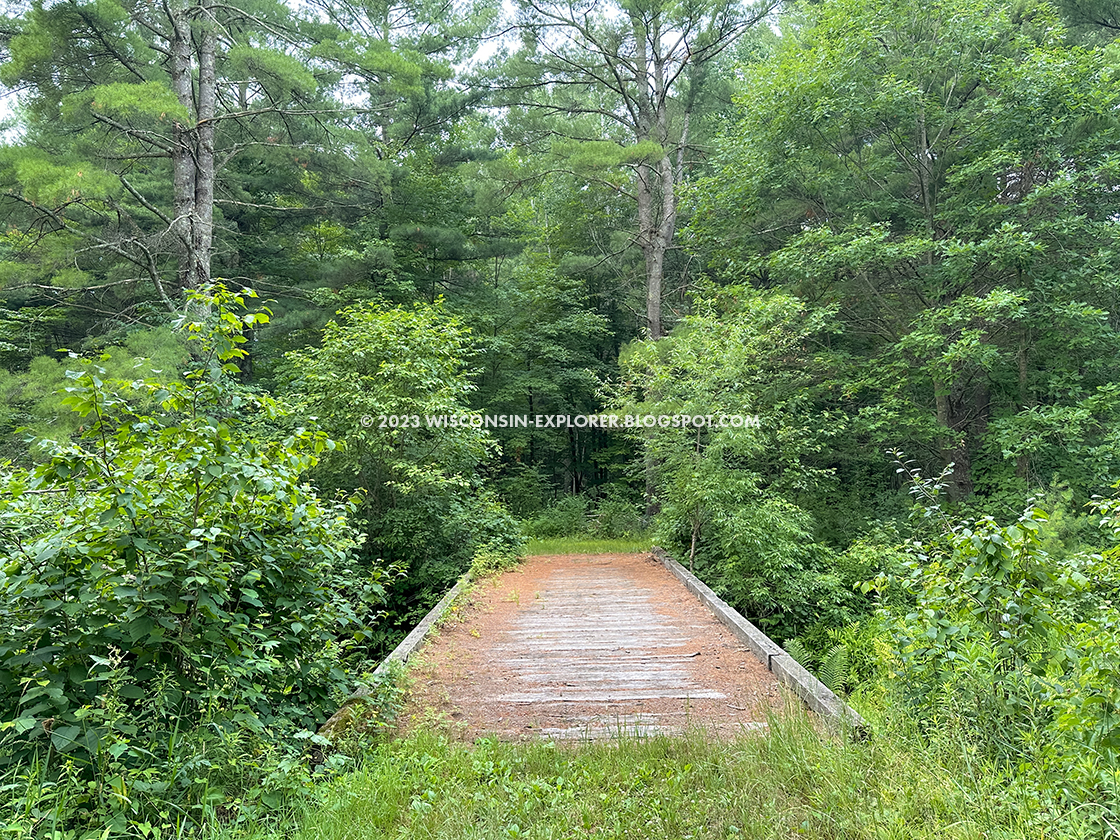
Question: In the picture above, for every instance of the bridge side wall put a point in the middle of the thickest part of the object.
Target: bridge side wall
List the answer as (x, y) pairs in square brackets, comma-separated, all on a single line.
[(788, 671), (346, 713)]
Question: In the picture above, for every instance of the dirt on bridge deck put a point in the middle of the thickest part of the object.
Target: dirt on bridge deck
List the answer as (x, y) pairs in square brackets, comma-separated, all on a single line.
[(587, 646)]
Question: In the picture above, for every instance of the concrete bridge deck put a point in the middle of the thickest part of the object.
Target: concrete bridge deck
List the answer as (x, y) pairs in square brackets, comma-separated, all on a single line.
[(588, 646)]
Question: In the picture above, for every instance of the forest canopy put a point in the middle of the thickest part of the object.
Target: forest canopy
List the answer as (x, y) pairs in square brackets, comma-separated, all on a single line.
[(238, 237)]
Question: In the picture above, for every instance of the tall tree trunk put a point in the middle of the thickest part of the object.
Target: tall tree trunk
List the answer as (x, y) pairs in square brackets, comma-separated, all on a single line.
[(662, 234), (657, 181), (192, 154), (657, 218), (647, 175), (182, 151), (203, 223), (203, 227)]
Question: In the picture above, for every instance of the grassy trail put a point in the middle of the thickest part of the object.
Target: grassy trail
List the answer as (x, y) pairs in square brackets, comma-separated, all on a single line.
[(790, 782)]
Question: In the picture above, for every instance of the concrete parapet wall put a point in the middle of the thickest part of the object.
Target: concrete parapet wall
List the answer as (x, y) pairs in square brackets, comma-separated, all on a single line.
[(413, 640), (340, 719), (816, 695)]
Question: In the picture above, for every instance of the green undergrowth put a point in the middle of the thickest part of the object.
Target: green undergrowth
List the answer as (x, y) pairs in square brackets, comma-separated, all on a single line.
[(790, 782), (587, 545)]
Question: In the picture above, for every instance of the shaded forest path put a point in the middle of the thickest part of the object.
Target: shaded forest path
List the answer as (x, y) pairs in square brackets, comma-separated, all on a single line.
[(588, 645)]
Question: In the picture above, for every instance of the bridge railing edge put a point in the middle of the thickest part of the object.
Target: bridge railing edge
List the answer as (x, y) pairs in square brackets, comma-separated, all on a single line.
[(787, 670), (400, 653)]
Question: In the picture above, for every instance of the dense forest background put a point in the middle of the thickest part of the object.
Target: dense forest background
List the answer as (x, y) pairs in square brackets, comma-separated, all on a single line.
[(237, 235)]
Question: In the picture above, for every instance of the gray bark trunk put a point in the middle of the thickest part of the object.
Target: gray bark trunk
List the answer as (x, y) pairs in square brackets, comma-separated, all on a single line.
[(182, 152), (657, 180), (203, 222), (192, 154), (648, 242)]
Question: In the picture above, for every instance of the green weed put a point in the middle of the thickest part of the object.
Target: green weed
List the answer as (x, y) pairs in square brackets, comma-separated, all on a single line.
[(588, 545), (790, 782)]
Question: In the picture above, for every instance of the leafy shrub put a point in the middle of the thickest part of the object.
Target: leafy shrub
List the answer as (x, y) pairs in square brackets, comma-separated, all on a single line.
[(972, 646), (567, 517), (422, 505), (491, 527), (168, 570), (988, 583), (767, 563), (758, 552), (615, 516), (498, 536), (1085, 752), (1014, 651)]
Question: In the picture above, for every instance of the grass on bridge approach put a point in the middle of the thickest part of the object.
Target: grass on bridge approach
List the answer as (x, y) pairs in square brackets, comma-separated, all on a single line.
[(587, 545), (790, 782)]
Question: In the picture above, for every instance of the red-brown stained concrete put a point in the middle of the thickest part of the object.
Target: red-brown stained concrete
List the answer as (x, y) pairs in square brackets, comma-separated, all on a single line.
[(576, 645)]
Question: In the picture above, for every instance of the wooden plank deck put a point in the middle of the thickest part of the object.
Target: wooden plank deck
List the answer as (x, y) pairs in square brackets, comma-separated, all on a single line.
[(589, 646)]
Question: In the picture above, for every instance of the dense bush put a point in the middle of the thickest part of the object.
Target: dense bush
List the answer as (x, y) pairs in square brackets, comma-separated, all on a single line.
[(166, 571), (615, 515), (374, 384), (567, 517), (609, 514), (1012, 649), (759, 554)]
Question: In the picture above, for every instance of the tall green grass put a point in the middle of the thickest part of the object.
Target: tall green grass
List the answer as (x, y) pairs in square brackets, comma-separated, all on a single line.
[(587, 545), (790, 782)]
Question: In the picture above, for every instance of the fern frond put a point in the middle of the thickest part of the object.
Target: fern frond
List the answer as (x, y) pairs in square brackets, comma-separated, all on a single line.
[(836, 669), (798, 651)]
